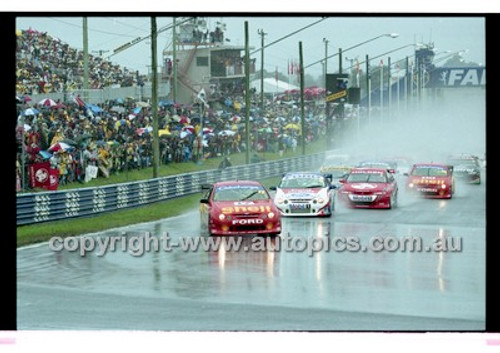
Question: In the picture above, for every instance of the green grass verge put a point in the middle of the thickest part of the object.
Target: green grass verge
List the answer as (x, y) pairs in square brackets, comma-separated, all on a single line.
[(36, 233)]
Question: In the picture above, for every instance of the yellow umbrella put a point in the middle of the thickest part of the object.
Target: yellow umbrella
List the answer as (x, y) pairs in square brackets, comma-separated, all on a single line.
[(292, 126), (19, 33), (163, 132)]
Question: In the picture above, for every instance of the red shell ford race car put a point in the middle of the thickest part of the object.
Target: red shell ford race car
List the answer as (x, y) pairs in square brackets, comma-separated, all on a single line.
[(305, 194), (431, 180), (237, 208), (369, 188)]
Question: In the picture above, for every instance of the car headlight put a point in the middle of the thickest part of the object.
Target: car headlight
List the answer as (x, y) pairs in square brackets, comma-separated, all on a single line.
[(222, 216), (270, 215), (321, 200), (279, 200), (410, 185), (444, 186)]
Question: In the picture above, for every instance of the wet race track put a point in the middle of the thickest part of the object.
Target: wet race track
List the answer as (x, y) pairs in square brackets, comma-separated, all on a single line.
[(269, 289)]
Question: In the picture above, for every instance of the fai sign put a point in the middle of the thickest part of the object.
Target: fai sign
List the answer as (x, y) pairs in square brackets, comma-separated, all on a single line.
[(457, 77)]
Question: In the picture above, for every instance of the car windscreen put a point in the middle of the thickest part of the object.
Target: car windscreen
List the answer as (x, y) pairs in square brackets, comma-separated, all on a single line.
[(430, 171), (303, 181), (240, 193), (367, 178)]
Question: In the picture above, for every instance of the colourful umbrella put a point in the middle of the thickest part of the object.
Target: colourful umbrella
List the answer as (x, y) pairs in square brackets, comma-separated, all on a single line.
[(189, 128), (79, 101), (164, 132), (30, 111), (47, 102), (59, 146)]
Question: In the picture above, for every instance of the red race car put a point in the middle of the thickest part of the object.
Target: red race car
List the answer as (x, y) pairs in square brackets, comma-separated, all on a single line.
[(431, 180), (239, 207), (369, 188)]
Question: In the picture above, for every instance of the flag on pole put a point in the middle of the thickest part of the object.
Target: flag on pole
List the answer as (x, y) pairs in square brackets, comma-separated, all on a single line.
[(276, 74)]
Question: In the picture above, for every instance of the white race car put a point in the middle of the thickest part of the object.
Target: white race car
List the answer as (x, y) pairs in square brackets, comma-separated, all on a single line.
[(305, 194)]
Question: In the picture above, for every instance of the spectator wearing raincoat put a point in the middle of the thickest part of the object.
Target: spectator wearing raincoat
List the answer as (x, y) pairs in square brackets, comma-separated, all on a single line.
[(58, 137), (103, 160)]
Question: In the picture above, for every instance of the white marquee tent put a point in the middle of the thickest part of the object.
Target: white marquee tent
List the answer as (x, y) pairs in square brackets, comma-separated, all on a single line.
[(271, 86)]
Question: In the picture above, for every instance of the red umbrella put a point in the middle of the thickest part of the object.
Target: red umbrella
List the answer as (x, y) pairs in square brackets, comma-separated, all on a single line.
[(47, 102), (189, 128), (79, 101), (59, 146), (59, 106), (184, 120)]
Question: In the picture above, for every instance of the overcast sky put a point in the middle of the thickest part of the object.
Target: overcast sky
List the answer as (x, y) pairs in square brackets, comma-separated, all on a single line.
[(446, 32)]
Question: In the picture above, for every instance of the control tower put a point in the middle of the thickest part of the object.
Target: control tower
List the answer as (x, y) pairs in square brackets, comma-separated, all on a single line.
[(205, 60)]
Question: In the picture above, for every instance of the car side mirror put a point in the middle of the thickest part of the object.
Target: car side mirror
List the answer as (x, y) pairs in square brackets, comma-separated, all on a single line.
[(331, 187), (205, 201), (273, 188)]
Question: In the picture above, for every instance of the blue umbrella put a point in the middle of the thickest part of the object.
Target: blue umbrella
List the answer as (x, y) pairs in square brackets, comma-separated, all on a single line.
[(30, 111), (120, 101), (166, 103), (95, 109), (45, 154), (137, 110)]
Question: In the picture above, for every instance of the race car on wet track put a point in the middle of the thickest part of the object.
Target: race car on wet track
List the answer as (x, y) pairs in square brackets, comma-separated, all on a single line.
[(305, 194), (238, 208), (369, 188), (390, 166), (466, 168), (431, 180)]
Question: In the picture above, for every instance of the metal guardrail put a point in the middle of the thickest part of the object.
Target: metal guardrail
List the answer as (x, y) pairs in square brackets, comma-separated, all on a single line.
[(65, 204)]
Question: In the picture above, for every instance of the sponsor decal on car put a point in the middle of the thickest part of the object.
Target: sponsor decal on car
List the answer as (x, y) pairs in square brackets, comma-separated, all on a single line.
[(248, 221), (245, 209)]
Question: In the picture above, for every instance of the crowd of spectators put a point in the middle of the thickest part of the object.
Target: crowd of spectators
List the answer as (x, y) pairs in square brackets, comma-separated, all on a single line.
[(116, 136), (45, 64)]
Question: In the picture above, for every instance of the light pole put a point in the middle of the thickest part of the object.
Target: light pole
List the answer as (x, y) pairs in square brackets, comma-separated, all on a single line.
[(368, 88), (327, 111), (247, 96), (262, 34), (368, 59), (389, 97), (302, 116)]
